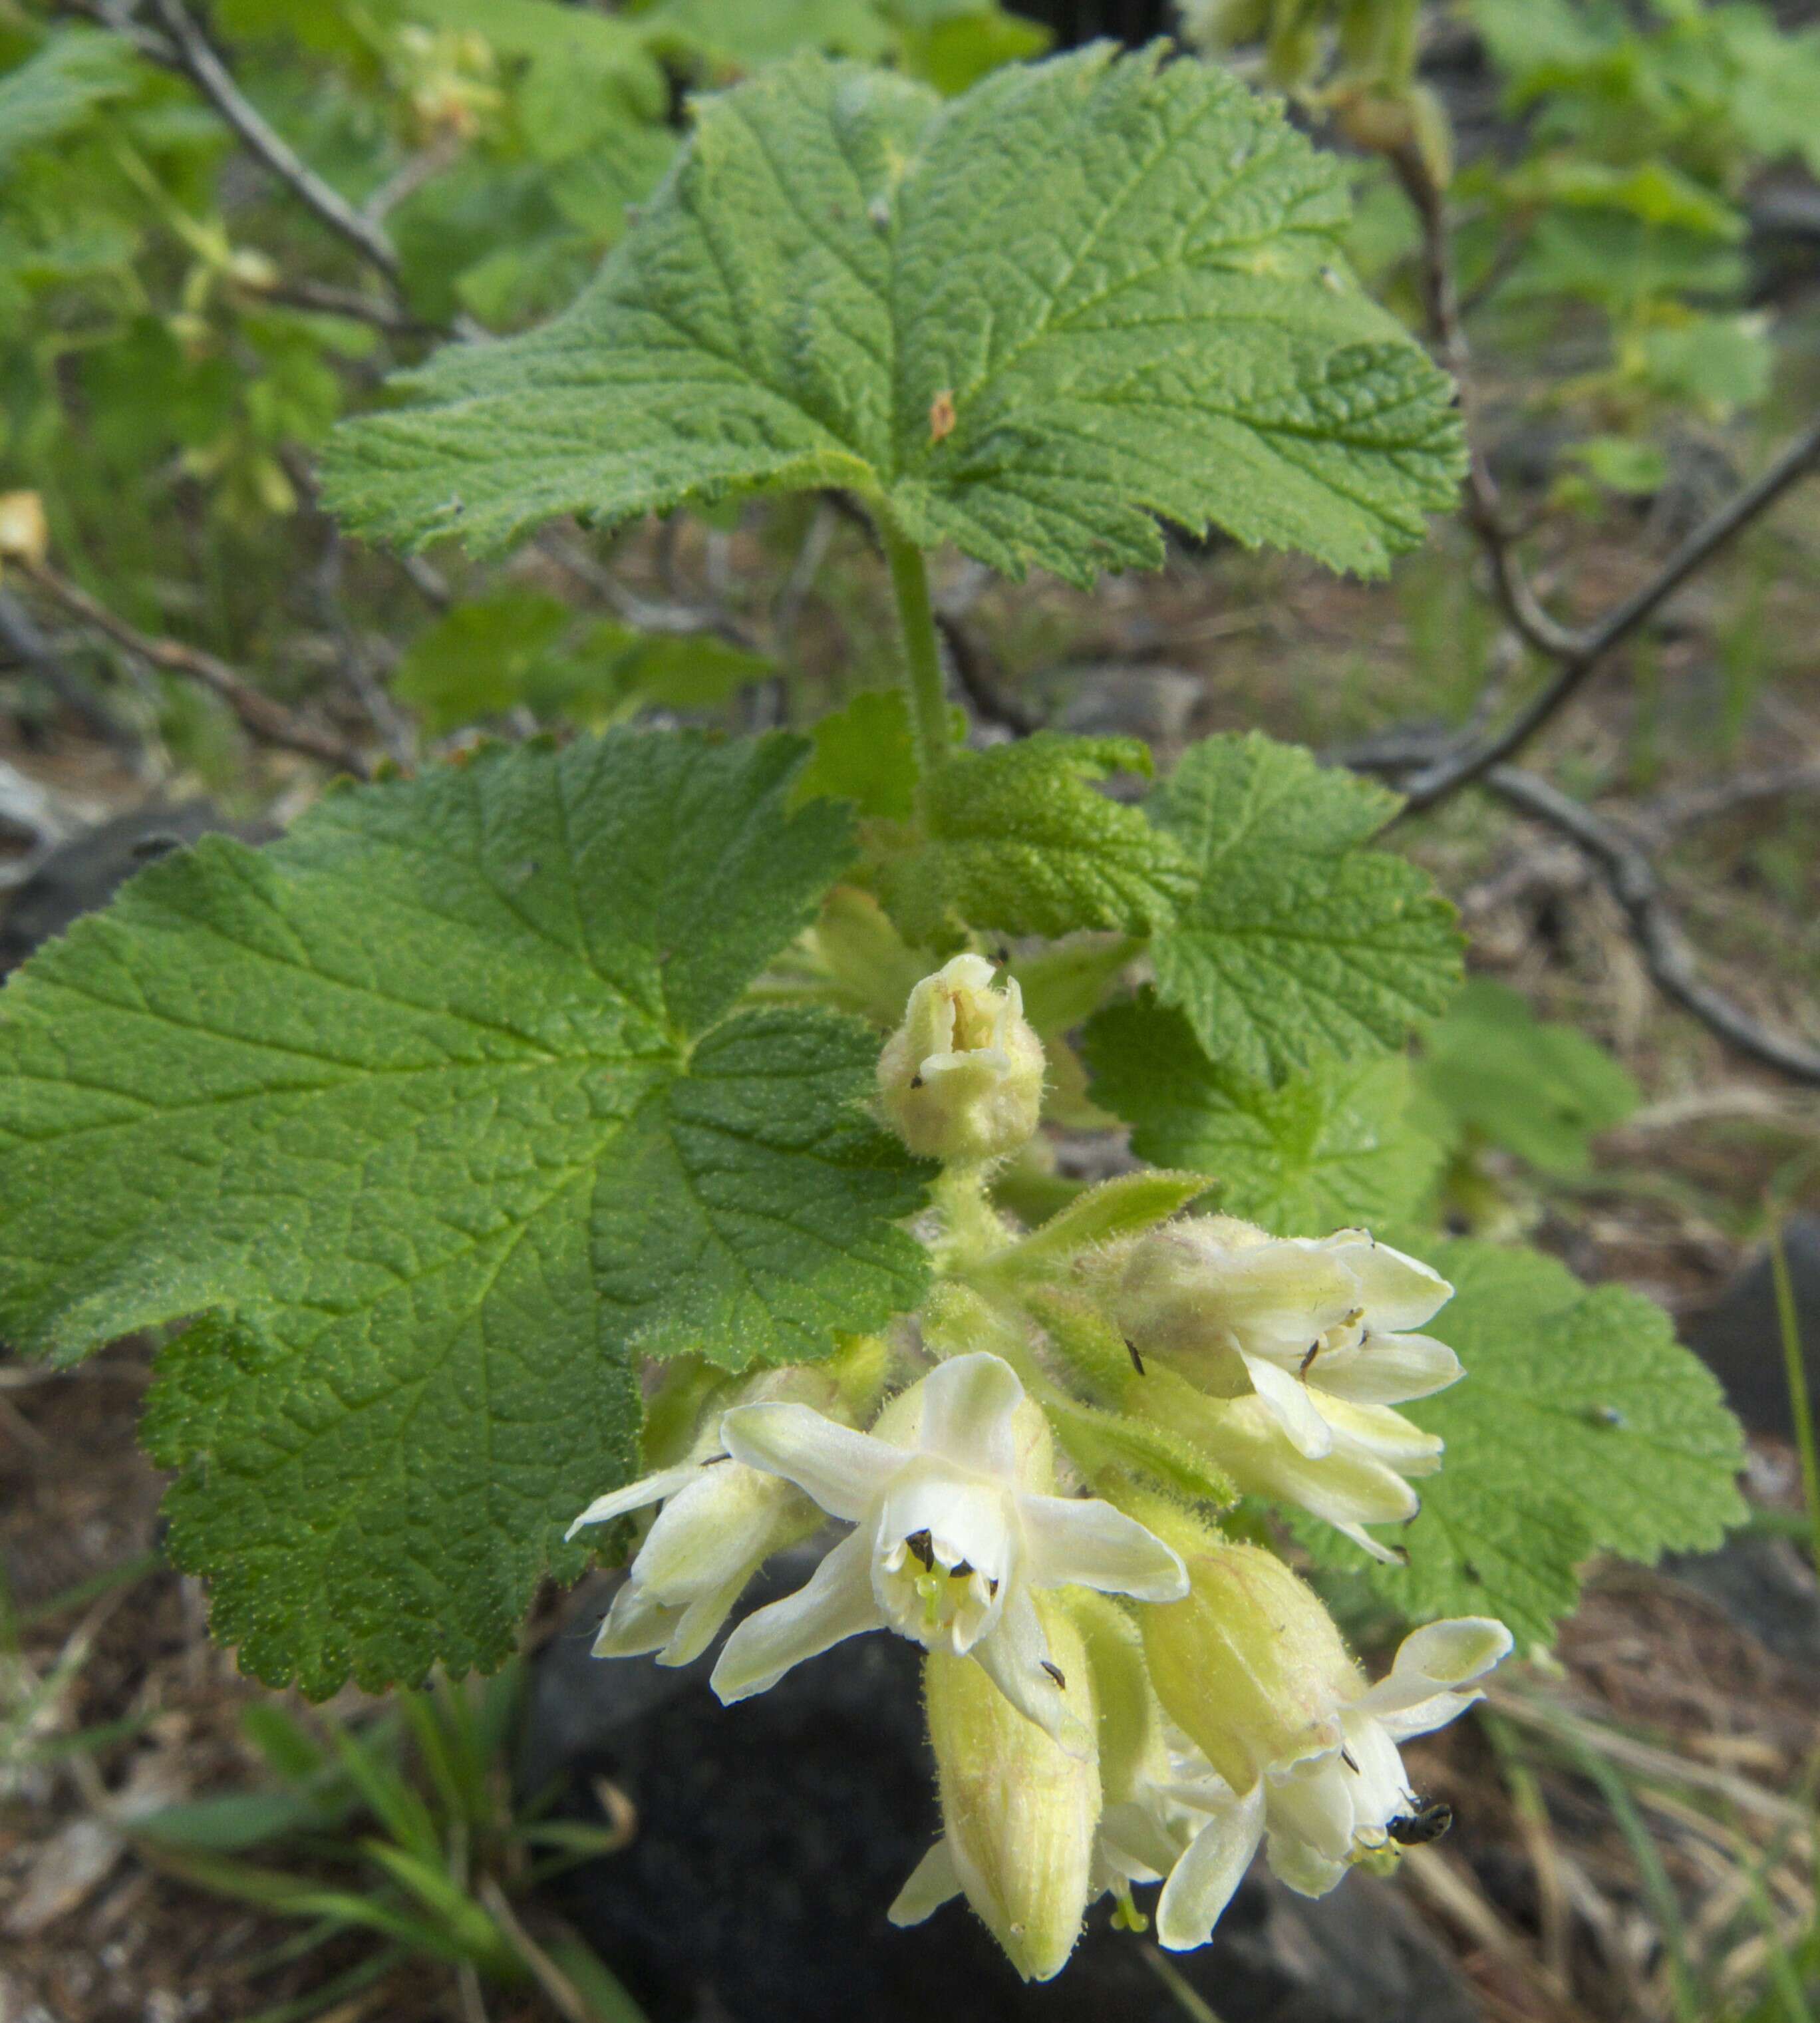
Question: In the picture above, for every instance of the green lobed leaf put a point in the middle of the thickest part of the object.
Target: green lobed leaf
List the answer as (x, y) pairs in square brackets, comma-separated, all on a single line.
[(1538, 1088), (822, 282), (440, 1112), (1298, 944), (866, 754), (1325, 1150), (1581, 1424), (1015, 838), (57, 86)]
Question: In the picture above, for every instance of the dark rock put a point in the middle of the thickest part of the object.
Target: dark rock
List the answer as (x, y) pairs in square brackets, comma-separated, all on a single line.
[(86, 872), (773, 1835), (1740, 1336), (1765, 1586)]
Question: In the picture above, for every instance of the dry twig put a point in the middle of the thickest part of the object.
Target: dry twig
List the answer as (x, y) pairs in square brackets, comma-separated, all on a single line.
[(1578, 652), (263, 716)]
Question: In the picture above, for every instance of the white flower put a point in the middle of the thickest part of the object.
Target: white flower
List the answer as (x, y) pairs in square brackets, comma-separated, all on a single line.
[(953, 1529), (961, 1078), (1321, 1812), (719, 1522), (1360, 1480), (1311, 1322)]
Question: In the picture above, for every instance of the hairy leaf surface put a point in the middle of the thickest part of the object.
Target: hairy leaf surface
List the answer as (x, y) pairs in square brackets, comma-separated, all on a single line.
[(1028, 321), (1580, 1424), (1016, 838), (439, 1110), (1326, 1149), (1298, 943)]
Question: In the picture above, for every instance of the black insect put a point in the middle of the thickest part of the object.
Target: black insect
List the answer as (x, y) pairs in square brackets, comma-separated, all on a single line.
[(1054, 1672), (1137, 1360), (916, 1081), (1429, 1821)]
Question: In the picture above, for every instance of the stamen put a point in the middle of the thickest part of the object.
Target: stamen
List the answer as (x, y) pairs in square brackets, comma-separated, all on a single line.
[(921, 1548), (960, 1569)]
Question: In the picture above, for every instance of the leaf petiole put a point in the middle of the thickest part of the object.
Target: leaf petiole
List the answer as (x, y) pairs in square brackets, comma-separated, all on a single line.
[(922, 649)]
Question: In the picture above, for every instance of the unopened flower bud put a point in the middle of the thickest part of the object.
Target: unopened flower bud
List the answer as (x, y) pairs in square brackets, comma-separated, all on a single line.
[(25, 536), (1251, 1666), (961, 1079), (1018, 1811)]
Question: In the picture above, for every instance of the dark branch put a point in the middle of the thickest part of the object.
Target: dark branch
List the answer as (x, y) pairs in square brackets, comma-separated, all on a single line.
[(1578, 653), (191, 53), (1632, 882), (263, 716)]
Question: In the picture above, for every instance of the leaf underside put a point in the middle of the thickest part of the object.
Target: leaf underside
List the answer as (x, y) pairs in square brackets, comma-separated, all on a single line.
[(1029, 321), (440, 1112)]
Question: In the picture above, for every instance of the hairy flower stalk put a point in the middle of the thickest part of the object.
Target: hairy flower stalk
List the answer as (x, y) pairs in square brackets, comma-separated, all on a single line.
[(1311, 1325), (961, 1080), (956, 1529)]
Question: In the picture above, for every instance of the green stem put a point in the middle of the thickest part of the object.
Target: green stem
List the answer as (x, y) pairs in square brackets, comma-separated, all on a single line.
[(922, 651)]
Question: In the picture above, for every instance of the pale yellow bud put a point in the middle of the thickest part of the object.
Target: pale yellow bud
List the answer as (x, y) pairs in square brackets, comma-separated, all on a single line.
[(1018, 1811), (25, 533), (1251, 1665), (961, 1080)]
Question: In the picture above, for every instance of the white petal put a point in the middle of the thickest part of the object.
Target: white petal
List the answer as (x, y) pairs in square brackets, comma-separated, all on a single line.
[(1288, 1399), (967, 1406), (1201, 1883), (1087, 1542), (1013, 1658), (1386, 1556), (836, 1603), (1436, 1662), (635, 1495), (717, 1528), (1379, 1785), (635, 1624), (1397, 1292), (1303, 1868), (932, 1882), (701, 1621), (1391, 1369), (1315, 1806), (1377, 1432), (844, 1471)]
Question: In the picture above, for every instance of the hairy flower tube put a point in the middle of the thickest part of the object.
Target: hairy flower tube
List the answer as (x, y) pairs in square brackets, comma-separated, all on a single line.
[(719, 1522), (961, 1080), (957, 1527), (1308, 1323), (1320, 1813), (1018, 1811)]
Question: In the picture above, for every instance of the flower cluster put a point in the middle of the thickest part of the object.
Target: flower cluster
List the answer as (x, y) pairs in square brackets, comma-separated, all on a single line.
[(1119, 1692)]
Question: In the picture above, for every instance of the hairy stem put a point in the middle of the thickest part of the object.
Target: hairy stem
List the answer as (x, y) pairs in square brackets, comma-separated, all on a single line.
[(922, 648)]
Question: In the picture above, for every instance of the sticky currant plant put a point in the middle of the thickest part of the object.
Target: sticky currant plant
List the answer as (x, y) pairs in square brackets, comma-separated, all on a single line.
[(656, 1121)]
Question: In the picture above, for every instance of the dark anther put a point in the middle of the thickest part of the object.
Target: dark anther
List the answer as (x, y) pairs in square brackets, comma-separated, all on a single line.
[(1054, 1672), (960, 1569), (1131, 1350), (991, 1587), (921, 1548)]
